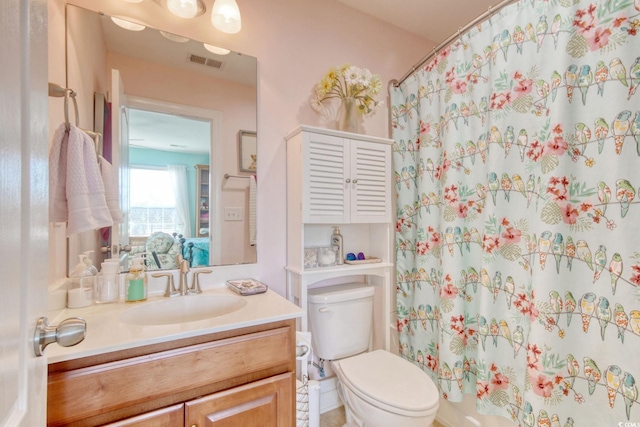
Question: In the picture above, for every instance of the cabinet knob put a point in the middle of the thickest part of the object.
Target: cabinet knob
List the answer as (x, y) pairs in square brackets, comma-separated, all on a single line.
[(355, 181), (348, 180)]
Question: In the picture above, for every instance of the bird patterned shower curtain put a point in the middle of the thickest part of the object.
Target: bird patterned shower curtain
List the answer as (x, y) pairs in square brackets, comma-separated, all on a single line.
[(517, 166)]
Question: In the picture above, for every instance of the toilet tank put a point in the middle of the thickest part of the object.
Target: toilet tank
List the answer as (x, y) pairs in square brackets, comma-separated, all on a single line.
[(340, 319)]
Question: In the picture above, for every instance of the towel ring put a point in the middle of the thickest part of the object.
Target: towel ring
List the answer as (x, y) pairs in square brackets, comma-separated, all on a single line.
[(68, 93)]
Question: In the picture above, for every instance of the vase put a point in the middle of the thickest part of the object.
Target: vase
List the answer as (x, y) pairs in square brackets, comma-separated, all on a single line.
[(348, 119)]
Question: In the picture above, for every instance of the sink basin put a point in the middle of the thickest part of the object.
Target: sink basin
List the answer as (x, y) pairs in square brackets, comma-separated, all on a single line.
[(182, 309)]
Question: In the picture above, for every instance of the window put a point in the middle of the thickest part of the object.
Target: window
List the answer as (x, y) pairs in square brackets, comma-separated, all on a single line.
[(152, 204)]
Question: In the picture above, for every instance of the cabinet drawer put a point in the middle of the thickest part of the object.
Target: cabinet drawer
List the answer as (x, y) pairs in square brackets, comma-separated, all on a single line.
[(88, 392)]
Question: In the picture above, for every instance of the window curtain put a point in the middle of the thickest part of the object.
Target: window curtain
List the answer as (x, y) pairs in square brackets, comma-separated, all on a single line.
[(517, 165), (178, 175)]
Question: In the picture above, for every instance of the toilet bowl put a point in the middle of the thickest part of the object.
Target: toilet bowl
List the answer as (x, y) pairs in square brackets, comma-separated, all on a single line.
[(378, 388)]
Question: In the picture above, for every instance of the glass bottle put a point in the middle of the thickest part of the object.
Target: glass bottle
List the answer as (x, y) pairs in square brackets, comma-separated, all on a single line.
[(336, 243)]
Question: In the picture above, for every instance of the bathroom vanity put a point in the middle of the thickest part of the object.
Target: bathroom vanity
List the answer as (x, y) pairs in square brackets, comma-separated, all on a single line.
[(230, 370)]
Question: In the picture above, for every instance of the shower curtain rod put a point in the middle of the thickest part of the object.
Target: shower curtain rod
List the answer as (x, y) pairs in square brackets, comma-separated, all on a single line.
[(462, 30)]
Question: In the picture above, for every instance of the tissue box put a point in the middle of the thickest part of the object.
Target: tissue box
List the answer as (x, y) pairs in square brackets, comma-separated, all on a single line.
[(320, 256)]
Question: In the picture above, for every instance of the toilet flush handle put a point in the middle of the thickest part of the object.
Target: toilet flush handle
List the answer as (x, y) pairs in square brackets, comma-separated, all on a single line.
[(325, 309)]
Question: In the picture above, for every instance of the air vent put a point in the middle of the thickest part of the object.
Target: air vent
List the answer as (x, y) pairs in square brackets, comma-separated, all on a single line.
[(197, 59)]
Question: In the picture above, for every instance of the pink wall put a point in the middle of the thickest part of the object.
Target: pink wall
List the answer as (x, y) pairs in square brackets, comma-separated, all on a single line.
[(295, 43)]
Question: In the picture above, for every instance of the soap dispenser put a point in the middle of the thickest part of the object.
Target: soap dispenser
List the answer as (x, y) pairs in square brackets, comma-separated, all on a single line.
[(80, 285), (89, 263), (337, 244), (135, 287), (108, 285)]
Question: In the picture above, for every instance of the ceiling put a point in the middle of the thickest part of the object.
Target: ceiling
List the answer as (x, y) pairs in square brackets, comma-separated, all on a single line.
[(432, 19)]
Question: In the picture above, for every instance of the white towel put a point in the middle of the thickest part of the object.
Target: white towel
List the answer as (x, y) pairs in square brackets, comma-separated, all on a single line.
[(110, 189), (253, 190), (76, 191)]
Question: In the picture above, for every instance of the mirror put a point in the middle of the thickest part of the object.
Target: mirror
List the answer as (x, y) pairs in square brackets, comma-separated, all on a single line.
[(175, 113)]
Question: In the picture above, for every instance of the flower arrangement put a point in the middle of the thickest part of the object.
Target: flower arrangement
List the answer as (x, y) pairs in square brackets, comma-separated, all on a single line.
[(348, 81)]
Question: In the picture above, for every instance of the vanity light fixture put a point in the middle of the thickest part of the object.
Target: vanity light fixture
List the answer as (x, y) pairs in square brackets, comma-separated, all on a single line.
[(183, 8), (174, 37), (127, 25), (225, 16), (215, 49), (186, 8)]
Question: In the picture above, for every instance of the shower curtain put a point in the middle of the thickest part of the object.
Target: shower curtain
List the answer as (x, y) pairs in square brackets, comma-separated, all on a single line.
[(517, 165)]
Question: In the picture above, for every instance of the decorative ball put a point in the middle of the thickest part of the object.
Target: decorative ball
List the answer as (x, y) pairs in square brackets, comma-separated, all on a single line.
[(360, 256), (351, 256)]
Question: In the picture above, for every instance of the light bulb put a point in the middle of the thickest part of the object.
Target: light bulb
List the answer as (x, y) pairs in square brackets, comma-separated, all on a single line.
[(225, 16), (183, 8), (127, 25), (215, 49), (133, 1)]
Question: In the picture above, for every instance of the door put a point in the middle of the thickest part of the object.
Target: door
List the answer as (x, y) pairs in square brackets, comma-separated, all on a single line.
[(264, 403), (325, 172), (24, 209), (165, 417), (120, 156), (370, 182)]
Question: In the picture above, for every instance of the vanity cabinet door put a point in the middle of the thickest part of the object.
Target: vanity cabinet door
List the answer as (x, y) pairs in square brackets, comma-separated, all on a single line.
[(265, 403), (171, 416)]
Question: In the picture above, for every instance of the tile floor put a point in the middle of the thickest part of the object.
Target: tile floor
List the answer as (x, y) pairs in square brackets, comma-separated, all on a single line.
[(336, 418)]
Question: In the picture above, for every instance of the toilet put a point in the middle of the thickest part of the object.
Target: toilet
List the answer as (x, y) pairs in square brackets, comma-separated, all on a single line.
[(377, 388)]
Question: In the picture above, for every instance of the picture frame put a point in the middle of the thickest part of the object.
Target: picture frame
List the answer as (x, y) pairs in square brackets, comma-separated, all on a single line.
[(247, 151)]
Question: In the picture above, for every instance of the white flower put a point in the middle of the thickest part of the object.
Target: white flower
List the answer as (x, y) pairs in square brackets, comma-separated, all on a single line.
[(348, 81)]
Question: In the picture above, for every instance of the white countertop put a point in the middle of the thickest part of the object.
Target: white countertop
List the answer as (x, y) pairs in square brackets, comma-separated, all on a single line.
[(106, 333)]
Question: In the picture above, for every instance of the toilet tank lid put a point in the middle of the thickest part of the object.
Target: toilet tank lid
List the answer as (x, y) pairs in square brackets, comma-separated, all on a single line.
[(339, 293)]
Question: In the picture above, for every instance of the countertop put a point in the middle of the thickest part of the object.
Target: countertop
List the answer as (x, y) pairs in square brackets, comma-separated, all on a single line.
[(107, 333)]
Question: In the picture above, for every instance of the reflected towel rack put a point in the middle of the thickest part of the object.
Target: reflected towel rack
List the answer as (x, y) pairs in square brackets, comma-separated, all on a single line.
[(227, 176), (57, 91)]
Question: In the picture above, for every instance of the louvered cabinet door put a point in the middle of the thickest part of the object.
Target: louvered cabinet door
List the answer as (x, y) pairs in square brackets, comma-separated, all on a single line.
[(325, 162), (370, 195)]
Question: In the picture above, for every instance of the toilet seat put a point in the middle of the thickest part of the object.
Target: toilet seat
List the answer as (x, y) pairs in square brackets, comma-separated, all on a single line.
[(389, 382)]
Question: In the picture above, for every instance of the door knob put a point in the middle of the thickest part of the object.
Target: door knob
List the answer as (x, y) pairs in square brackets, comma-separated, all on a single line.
[(69, 332)]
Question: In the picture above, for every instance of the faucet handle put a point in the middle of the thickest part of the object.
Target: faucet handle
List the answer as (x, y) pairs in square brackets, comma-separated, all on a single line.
[(195, 288), (170, 289)]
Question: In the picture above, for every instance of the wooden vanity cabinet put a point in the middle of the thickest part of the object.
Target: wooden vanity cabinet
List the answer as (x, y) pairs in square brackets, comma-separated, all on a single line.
[(243, 377)]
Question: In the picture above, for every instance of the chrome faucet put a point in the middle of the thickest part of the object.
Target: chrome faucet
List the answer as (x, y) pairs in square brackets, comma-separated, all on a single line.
[(184, 270)]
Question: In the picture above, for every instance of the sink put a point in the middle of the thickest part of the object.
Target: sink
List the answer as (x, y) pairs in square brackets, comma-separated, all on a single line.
[(182, 309)]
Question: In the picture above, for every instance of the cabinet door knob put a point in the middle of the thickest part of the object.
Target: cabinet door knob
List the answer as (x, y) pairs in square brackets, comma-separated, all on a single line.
[(355, 181), (348, 180)]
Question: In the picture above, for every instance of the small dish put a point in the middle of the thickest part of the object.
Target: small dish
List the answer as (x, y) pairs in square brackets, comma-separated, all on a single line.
[(367, 260)]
